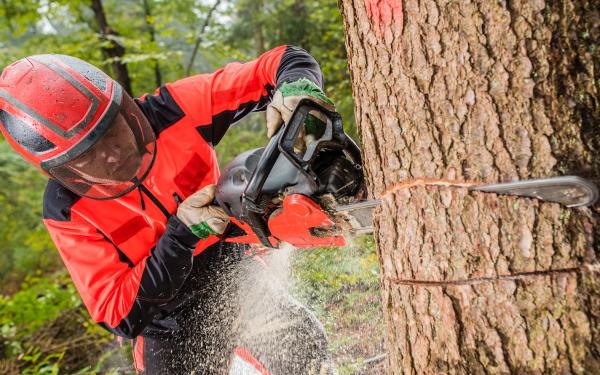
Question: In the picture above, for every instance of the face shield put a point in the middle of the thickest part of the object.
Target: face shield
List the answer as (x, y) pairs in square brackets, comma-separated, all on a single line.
[(117, 162)]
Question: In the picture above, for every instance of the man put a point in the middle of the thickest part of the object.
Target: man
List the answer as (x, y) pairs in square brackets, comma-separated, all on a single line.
[(128, 205)]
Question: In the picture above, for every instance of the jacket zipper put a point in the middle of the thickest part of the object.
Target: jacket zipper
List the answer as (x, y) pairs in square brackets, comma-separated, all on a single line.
[(155, 201)]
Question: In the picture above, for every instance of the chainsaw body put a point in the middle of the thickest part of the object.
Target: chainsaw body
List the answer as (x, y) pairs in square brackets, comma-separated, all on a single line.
[(276, 194)]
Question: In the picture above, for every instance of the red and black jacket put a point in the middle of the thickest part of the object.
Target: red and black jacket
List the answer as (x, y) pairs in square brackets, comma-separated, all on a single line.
[(129, 257)]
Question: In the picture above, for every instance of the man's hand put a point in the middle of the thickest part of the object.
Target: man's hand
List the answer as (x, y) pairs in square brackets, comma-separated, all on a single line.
[(285, 100), (200, 216)]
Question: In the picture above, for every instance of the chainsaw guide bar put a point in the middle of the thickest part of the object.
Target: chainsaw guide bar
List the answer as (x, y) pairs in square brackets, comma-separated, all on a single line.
[(570, 191)]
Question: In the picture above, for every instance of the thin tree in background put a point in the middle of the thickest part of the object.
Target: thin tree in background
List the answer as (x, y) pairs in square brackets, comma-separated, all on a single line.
[(115, 51), (482, 91), (152, 34), (257, 24), (199, 37)]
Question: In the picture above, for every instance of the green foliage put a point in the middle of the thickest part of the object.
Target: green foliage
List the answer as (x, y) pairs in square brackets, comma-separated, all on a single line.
[(24, 242), (342, 287), (39, 301), (38, 363), (159, 38), (325, 272), (44, 329)]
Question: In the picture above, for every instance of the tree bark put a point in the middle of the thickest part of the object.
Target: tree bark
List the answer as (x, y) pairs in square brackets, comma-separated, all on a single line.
[(482, 91), (115, 51)]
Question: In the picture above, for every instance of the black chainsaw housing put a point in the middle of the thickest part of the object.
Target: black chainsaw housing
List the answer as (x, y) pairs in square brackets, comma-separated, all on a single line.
[(255, 182), (336, 174)]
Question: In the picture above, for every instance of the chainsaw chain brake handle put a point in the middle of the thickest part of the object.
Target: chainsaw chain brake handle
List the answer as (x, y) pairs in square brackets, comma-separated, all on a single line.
[(282, 143)]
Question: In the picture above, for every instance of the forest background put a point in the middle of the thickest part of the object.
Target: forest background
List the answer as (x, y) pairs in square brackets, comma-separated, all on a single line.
[(145, 43)]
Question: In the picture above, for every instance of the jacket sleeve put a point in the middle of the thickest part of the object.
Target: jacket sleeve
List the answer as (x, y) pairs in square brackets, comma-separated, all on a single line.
[(121, 296), (220, 99)]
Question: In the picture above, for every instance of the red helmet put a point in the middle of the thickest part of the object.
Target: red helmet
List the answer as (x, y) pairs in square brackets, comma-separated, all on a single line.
[(76, 124)]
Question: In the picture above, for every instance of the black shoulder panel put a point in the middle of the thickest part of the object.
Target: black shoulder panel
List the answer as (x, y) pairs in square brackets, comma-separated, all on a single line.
[(161, 109), (214, 132), (58, 201), (206, 131), (296, 63)]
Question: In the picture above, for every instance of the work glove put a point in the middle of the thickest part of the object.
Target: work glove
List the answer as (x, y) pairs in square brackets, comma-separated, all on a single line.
[(284, 102), (203, 219)]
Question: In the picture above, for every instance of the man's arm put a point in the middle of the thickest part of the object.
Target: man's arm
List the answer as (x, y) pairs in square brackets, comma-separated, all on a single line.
[(121, 296), (218, 100)]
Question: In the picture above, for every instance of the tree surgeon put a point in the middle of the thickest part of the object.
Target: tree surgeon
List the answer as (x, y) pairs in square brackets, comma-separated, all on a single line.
[(128, 203), (481, 91)]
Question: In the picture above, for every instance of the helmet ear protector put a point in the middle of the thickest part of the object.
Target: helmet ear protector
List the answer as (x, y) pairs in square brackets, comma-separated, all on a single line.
[(76, 124)]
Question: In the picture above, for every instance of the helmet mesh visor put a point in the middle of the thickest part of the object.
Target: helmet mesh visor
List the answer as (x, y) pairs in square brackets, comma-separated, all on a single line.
[(117, 162)]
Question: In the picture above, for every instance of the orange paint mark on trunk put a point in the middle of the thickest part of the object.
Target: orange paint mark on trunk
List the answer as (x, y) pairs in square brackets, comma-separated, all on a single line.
[(384, 14)]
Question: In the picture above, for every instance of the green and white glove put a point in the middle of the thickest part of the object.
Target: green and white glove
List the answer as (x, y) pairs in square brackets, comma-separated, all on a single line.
[(285, 100), (203, 219)]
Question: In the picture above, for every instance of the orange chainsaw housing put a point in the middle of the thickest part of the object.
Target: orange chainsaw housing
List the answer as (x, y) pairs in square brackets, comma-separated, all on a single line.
[(292, 223)]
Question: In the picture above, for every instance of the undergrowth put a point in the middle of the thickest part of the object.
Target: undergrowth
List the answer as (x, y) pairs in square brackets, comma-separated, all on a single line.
[(45, 329)]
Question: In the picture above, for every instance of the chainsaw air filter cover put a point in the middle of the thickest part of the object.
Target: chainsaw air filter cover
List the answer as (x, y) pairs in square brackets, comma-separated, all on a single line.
[(257, 181), (337, 175), (235, 177)]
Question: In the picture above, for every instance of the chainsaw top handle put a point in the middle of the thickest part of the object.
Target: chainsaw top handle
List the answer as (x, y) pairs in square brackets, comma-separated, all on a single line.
[(282, 143), (332, 134)]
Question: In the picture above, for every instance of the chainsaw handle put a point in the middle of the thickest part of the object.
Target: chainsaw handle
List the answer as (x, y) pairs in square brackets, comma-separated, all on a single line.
[(334, 130), (283, 143), (252, 213), (263, 169)]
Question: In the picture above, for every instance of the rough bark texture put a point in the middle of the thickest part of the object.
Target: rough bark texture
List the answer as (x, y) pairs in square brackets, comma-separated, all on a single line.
[(481, 91)]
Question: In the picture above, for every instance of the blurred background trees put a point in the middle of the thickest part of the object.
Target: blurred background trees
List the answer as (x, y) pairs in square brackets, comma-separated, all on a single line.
[(143, 44)]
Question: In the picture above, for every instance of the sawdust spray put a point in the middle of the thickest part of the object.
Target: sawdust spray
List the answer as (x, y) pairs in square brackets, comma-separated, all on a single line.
[(282, 333), (255, 311), (249, 305)]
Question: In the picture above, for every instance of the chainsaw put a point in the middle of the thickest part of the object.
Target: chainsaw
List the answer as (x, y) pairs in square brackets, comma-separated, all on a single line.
[(317, 196)]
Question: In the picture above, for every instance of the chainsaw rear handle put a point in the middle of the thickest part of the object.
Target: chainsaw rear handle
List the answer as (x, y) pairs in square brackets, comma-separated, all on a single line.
[(283, 143)]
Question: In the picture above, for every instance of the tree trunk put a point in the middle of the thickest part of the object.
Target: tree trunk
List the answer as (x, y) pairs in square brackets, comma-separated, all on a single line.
[(257, 20), (152, 34), (116, 51), (483, 91), (301, 18), (199, 37)]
